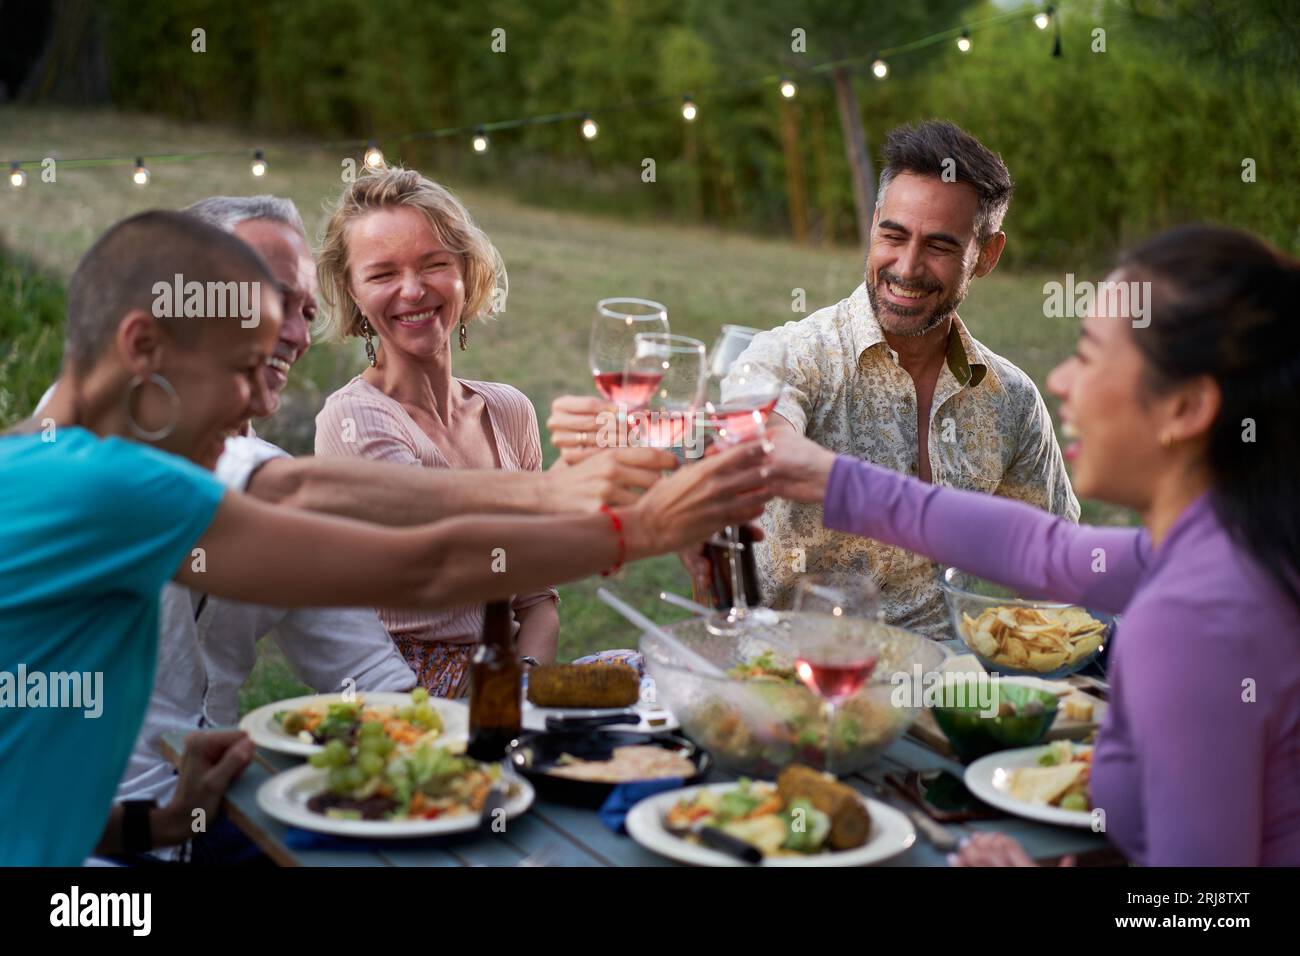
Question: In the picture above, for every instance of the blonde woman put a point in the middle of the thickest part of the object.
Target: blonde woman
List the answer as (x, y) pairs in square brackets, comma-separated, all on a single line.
[(405, 267)]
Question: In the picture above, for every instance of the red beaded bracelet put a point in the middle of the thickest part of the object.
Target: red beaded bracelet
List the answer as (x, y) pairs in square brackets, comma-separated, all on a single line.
[(622, 543)]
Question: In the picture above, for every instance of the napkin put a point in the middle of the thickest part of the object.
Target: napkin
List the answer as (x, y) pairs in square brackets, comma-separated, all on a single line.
[(622, 798)]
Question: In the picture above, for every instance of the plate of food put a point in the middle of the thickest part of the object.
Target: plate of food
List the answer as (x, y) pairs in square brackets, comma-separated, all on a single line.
[(589, 696), (806, 818), (581, 767), (1048, 784), (302, 726), (374, 789)]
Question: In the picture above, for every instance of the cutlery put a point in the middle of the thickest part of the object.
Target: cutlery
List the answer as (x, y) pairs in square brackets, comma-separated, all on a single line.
[(585, 722), (720, 840), (678, 601)]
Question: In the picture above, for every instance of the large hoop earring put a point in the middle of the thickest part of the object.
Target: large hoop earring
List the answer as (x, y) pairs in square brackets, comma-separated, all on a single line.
[(464, 336), (145, 434), (369, 335)]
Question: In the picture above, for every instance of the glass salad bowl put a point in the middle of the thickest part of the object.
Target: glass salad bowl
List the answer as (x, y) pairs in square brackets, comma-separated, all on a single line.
[(738, 696)]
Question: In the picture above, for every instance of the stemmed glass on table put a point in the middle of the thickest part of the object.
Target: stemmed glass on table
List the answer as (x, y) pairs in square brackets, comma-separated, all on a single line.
[(746, 393), (833, 655)]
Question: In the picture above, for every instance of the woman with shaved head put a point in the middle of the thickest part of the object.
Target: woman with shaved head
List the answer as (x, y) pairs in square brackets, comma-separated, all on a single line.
[(96, 517)]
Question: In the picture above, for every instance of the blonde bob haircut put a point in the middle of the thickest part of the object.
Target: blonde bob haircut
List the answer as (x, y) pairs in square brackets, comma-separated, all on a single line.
[(482, 268)]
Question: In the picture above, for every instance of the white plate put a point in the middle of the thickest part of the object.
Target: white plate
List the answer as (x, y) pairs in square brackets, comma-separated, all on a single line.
[(285, 797), (891, 834), (986, 778), (534, 718), (266, 731)]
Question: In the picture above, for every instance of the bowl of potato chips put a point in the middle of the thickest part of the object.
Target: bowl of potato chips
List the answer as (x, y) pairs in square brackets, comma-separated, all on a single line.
[(1012, 634)]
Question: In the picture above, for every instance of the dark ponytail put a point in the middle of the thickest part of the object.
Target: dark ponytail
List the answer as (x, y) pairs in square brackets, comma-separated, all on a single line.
[(1227, 305)]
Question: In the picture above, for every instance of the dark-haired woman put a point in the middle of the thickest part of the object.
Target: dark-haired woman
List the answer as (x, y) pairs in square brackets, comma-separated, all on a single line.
[(1188, 419)]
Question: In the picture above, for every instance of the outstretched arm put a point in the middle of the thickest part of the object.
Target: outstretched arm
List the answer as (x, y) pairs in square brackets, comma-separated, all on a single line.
[(1005, 541), (262, 554), (394, 494)]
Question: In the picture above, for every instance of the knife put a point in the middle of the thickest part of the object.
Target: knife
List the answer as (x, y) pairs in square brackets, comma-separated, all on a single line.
[(720, 840), (580, 722)]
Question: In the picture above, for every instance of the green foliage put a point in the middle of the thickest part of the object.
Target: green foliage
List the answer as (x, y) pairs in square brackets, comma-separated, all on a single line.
[(1105, 146), (31, 346)]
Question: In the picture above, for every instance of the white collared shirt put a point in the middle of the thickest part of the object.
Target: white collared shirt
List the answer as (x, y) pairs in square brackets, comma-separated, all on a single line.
[(202, 663)]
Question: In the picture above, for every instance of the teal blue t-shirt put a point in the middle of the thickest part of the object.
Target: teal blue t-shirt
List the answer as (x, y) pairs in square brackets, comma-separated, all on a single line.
[(90, 531)]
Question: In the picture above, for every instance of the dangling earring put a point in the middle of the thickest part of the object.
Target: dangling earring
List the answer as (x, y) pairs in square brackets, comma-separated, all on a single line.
[(369, 335), (145, 434), (464, 336)]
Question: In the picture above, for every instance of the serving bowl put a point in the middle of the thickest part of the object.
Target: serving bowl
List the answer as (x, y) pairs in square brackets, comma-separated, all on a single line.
[(1025, 715), (758, 726), (536, 755), (1013, 634)]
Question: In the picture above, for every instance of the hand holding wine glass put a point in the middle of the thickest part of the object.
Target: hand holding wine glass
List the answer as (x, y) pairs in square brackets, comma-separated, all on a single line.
[(798, 468)]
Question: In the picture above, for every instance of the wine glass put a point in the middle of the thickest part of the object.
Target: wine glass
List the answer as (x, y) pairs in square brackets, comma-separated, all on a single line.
[(675, 367), (614, 330), (745, 392), (833, 656)]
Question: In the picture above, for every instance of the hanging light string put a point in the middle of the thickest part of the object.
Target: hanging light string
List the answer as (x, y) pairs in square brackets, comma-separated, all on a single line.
[(585, 119)]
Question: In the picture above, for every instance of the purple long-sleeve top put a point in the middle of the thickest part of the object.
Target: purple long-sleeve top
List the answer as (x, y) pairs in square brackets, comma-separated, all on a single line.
[(1197, 762)]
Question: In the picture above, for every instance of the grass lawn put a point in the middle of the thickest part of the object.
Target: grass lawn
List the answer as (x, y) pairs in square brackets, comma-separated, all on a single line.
[(559, 265)]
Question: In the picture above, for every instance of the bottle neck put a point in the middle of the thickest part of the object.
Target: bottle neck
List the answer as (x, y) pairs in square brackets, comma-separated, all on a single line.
[(498, 623)]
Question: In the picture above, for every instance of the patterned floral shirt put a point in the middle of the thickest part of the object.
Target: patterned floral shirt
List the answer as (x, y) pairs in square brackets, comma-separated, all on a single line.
[(989, 432)]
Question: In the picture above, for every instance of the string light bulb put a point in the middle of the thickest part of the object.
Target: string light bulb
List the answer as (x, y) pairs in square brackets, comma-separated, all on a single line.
[(688, 108), (141, 175), (480, 141), (1043, 19), (374, 156), (963, 41), (788, 89), (17, 178), (880, 68), (258, 166), (589, 128)]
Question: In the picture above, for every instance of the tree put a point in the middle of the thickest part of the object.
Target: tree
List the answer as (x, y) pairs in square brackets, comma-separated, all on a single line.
[(753, 35), (73, 67)]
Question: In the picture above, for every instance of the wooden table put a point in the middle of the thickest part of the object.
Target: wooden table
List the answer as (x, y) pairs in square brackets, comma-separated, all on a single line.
[(553, 834)]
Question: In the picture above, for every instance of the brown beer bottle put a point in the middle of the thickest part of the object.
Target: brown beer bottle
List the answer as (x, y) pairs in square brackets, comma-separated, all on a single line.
[(496, 686)]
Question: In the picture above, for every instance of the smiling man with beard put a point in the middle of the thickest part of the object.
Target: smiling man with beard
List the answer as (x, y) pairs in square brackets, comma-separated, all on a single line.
[(892, 375)]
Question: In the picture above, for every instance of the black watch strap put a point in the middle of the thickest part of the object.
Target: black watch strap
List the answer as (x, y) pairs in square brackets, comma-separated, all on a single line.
[(137, 832)]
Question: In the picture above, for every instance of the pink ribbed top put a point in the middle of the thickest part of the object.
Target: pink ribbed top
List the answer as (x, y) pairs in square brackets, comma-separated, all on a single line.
[(381, 429)]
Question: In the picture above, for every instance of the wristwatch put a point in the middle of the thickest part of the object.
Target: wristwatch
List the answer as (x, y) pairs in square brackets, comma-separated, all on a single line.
[(137, 831)]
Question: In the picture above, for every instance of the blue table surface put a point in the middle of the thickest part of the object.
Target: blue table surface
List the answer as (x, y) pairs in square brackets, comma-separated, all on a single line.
[(554, 834)]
